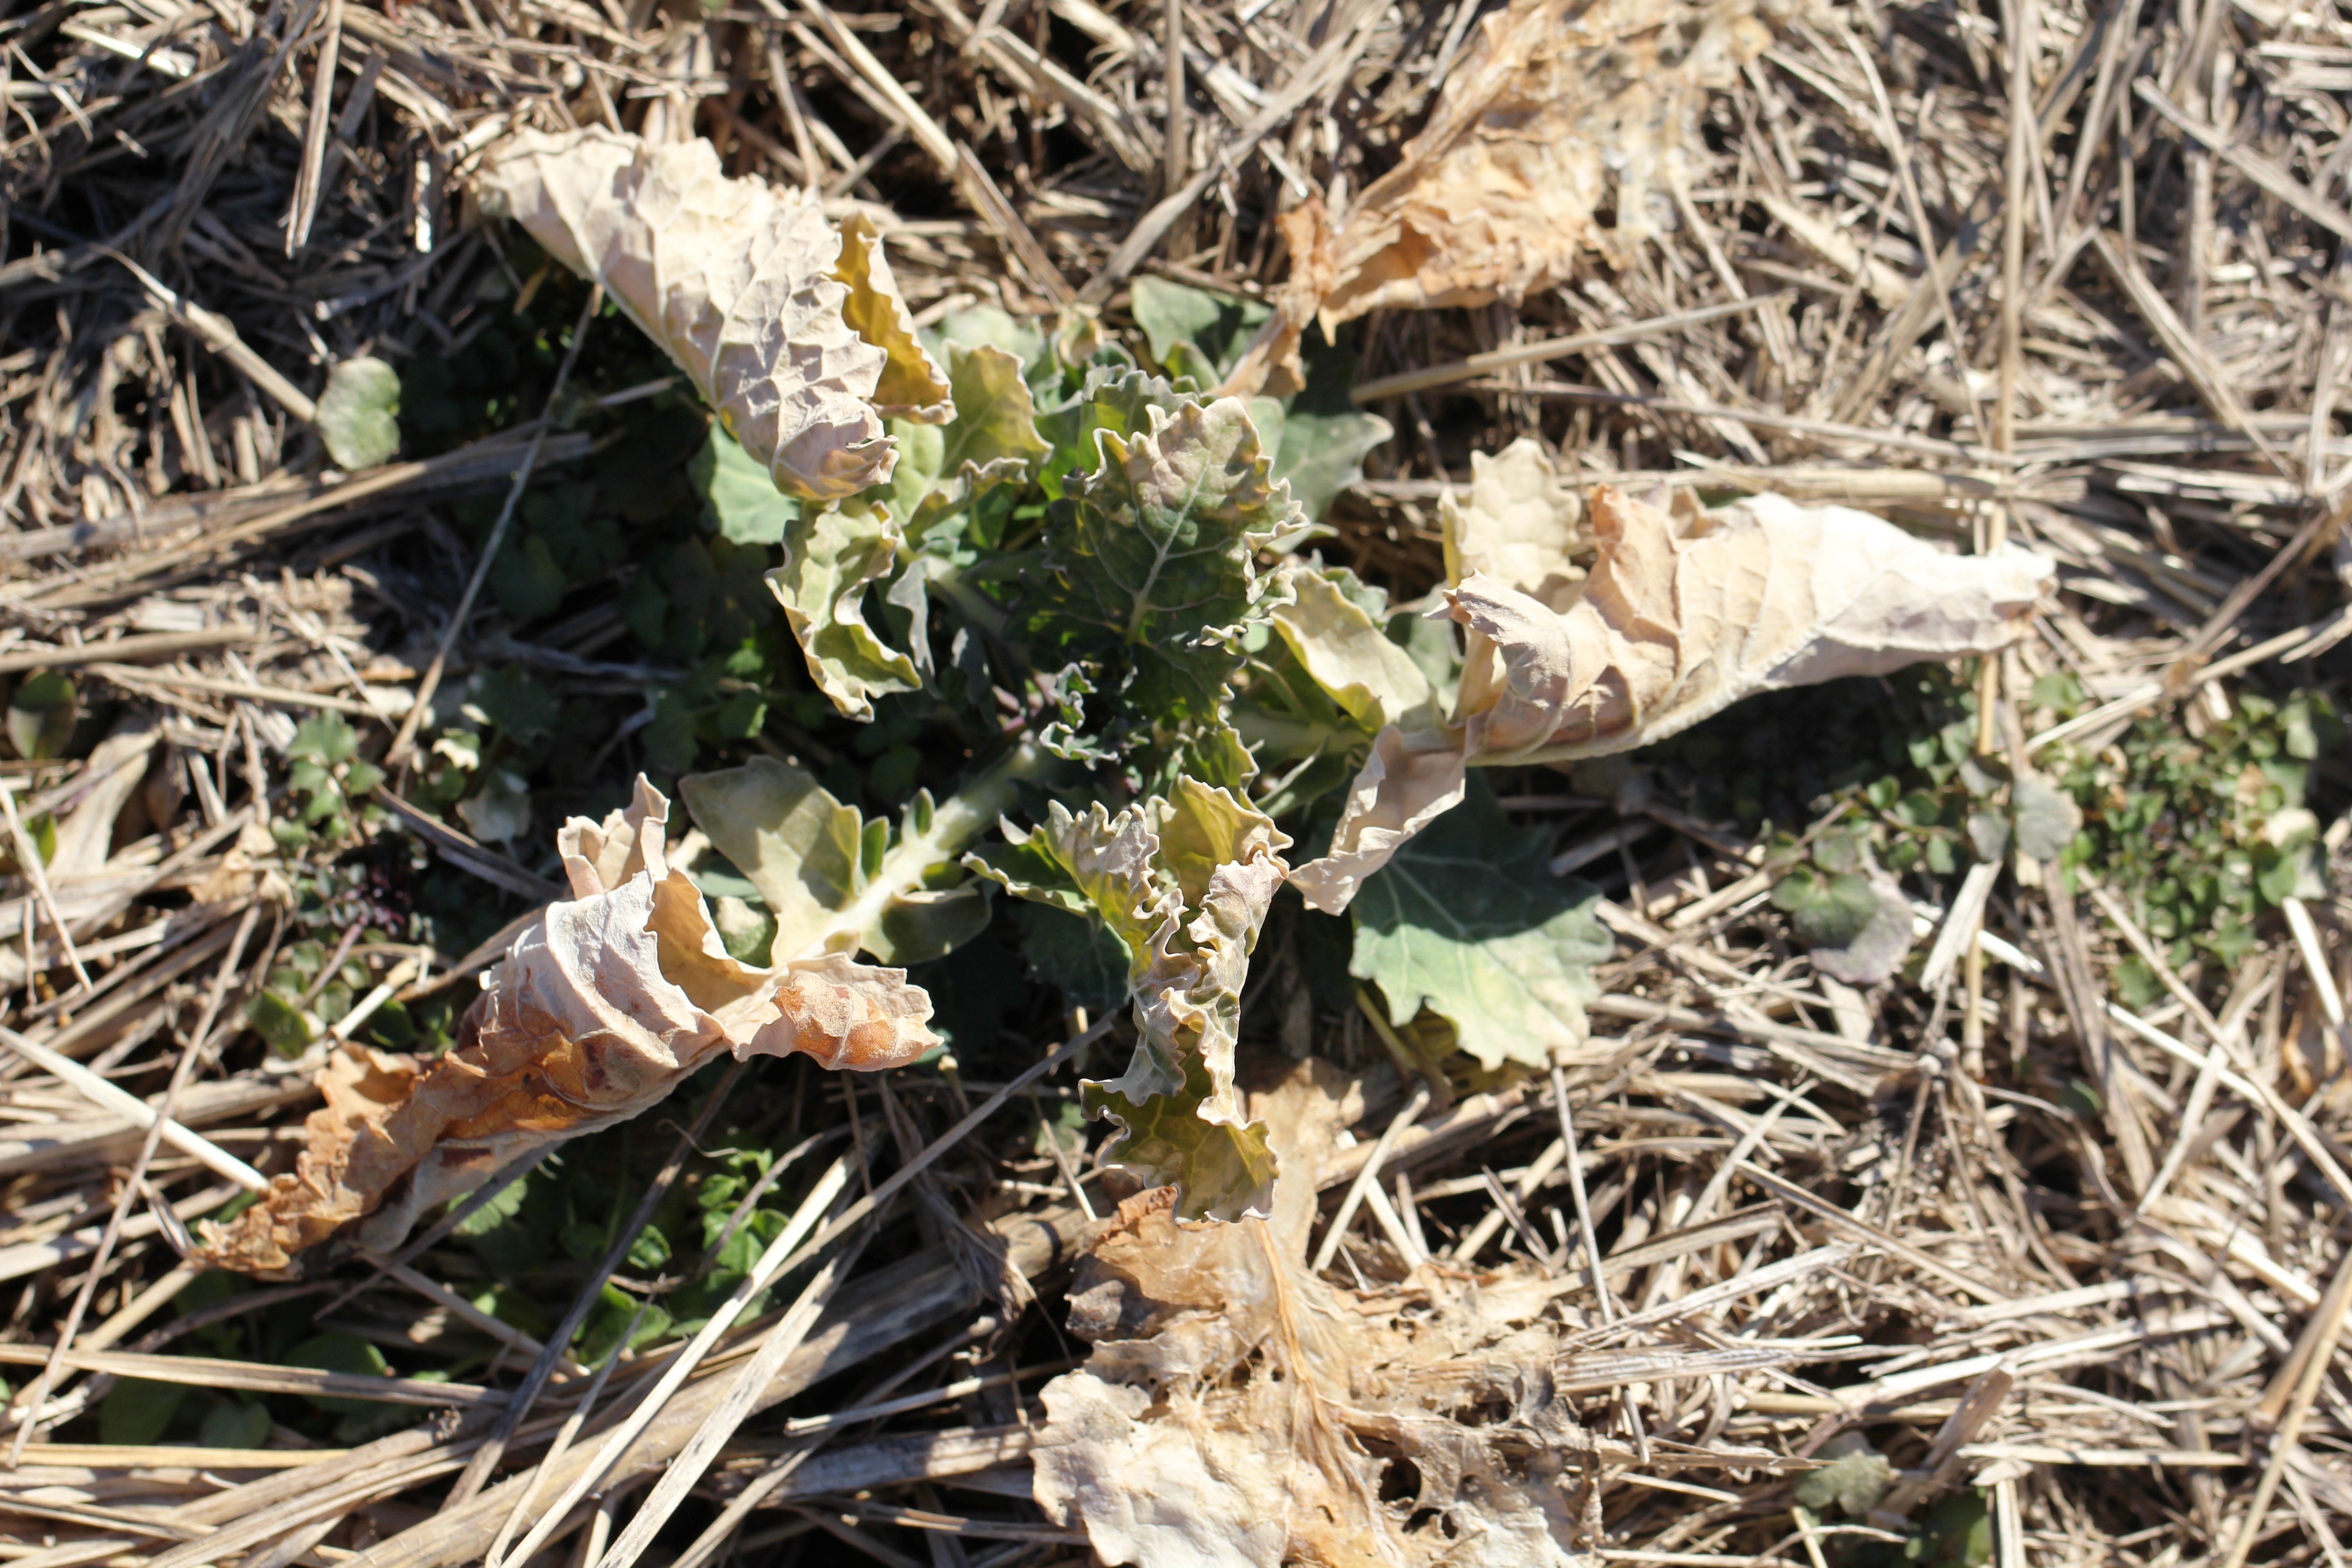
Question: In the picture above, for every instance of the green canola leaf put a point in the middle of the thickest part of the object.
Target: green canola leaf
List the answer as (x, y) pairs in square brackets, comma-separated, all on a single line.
[(1856, 922), (41, 714), (1321, 453), (1193, 331), (833, 882), (1466, 921), (2047, 818), (831, 556), (1182, 883), (1074, 955), (739, 502), (1854, 1481), (358, 414), (1149, 562)]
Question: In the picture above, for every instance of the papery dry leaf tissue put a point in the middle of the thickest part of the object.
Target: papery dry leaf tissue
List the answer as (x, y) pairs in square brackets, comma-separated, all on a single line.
[(595, 1015), (790, 329), (1240, 1411), (1553, 136), (1683, 612)]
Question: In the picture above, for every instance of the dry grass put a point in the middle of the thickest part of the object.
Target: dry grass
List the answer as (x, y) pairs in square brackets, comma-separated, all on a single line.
[(2089, 294)]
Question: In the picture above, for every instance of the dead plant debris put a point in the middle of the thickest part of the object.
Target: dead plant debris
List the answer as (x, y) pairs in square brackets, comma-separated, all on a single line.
[(1899, 1121)]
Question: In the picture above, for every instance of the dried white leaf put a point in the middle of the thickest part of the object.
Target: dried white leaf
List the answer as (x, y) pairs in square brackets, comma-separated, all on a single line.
[(787, 333), (594, 1015), (1675, 627)]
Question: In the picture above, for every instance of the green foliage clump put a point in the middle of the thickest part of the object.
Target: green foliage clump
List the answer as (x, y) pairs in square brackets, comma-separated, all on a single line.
[(2201, 835), (328, 779)]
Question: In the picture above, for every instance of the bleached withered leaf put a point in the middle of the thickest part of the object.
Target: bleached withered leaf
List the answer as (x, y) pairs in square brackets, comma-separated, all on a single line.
[(613, 998), (1559, 111), (1401, 789), (1676, 625), (1239, 1411), (1683, 614), (1183, 883), (1520, 525), (798, 341)]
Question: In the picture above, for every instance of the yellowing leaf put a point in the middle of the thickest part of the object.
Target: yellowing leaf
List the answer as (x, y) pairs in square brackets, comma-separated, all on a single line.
[(598, 1011), (1184, 882), (737, 281), (1518, 525), (1349, 653), (912, 386), (1559, 110), (831, 554), (1675, 627)]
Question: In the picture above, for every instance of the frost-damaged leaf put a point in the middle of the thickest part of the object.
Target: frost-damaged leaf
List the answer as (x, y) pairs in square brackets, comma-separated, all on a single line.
[(1561, 110), (831, 555), (1467, 920), (740, 283), (836, 883), (912, 386), (1681, 616), (357, 412), (596, 1013), (1183, 881), (1401, 789), (1149, 560), (1674, 626), (1519, 525), (1224, 1418)]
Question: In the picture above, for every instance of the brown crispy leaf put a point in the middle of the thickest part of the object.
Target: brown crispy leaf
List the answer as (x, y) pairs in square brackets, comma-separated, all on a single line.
[(1674, 626), (598, 1011), (1561, 109), (1685, 612), (1224, 1417), (791, 335)]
